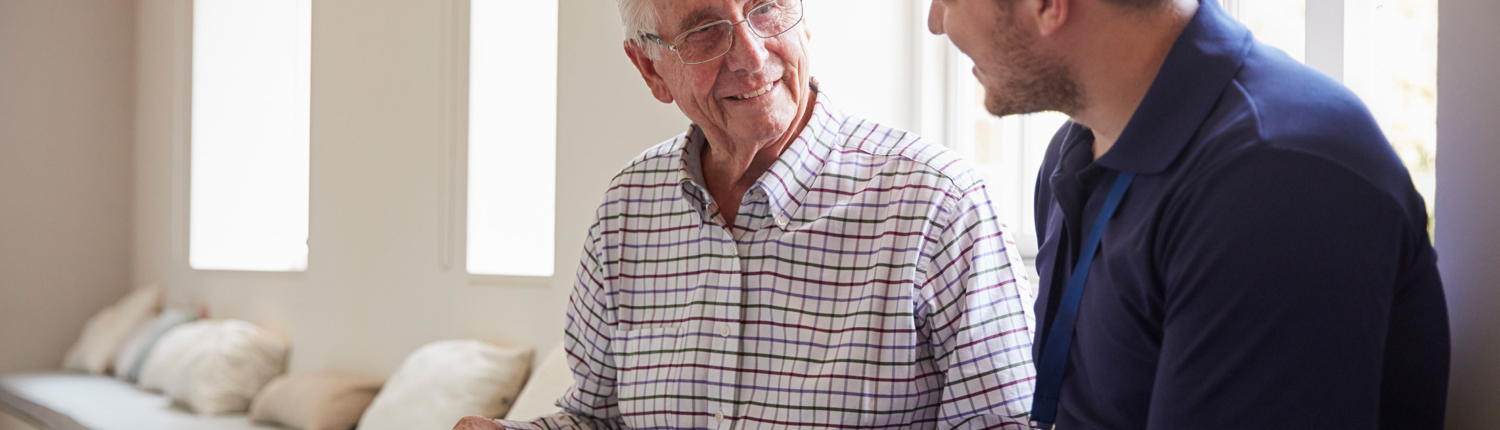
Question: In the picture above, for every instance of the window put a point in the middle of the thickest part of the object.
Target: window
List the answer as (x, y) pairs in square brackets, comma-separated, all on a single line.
[(904, 77), (1011, 168), (867, 72), (1355, 44), (1007, 153), (909, 79), (1390, 60), (512, 137), (248, 189), (1279, 23), (1383, 50)]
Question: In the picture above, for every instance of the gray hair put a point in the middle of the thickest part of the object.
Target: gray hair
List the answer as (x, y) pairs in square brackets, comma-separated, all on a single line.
[(639, 17)]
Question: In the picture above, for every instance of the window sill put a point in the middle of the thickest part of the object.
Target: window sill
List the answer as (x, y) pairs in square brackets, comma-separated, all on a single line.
[(510, 281)]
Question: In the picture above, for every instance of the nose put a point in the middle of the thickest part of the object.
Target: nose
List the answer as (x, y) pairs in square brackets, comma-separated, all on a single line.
[(935, 17), (748, 52)]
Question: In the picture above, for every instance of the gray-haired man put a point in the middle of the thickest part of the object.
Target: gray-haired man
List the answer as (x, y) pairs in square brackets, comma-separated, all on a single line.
[(782, 264)]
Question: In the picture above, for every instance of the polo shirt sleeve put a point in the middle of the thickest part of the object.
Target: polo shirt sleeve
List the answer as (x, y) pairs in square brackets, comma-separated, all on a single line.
[(973, 297), (590, 403), (1279, 273)]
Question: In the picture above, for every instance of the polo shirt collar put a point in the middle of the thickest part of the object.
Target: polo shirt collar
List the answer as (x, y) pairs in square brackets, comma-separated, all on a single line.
[(1202, 63)]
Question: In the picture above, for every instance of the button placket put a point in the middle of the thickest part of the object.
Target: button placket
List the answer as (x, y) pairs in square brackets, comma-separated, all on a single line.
[(725, 318)]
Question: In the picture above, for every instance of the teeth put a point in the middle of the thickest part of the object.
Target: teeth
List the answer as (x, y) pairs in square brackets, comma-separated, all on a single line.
[(756, 93)]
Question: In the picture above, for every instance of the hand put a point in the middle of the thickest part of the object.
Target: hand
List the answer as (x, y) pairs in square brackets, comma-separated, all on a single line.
[(475, 422)]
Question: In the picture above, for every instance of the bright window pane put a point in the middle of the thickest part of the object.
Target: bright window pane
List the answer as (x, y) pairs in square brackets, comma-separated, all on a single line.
[(1279, 23), (250, 130), (865, 73), (512, 136), (1018, 137), (1390, 61), (1008, 154)]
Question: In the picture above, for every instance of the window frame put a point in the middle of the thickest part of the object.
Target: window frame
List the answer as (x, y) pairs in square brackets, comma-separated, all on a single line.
[(455, 225)]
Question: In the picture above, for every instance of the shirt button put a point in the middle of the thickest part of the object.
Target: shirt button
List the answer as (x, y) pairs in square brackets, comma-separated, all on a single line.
[(719, 416), (781, 221), (725, 330)]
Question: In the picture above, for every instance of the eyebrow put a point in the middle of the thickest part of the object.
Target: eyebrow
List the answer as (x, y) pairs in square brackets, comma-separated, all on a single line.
[(695, 18)]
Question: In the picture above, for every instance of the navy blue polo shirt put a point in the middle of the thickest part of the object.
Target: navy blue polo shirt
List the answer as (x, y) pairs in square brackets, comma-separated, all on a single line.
[(1269, 266)]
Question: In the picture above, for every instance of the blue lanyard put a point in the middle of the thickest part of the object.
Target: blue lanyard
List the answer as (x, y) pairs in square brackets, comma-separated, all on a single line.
[(1049, 370)]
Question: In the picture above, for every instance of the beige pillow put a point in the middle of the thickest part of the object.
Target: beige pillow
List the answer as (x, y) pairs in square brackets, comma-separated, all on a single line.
[(165, 359), (445, 381), (314, 401), (108, 330), (230, 362)]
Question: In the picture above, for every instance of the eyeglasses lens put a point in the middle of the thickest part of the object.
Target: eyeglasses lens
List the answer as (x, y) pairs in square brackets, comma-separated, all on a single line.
[(767, 20)]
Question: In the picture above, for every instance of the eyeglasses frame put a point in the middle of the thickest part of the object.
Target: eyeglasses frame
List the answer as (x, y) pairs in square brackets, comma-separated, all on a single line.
[(678, 40)]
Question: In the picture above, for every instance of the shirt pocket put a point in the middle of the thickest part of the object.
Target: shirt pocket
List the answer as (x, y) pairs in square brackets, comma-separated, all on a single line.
[(649, 375)]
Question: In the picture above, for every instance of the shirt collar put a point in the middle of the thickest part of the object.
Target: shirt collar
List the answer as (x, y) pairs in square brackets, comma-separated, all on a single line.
[(1202, 62), (787, 182)]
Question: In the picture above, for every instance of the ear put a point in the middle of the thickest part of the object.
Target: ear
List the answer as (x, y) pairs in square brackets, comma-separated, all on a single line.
[(806, 29), (1050, 15), (647, 67)]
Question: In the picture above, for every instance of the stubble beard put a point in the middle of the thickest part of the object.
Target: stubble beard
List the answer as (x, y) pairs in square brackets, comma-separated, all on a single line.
[(1030, 80)]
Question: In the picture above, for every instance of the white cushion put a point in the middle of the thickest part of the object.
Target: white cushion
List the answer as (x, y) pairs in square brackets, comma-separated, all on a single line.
[(448, 380), (549, 382), (108, 330), (70, 401), (166, 358), (224, 369)]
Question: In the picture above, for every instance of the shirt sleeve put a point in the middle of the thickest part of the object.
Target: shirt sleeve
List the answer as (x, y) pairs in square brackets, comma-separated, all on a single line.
[(974, 311), (1282, 286), (591, 402)]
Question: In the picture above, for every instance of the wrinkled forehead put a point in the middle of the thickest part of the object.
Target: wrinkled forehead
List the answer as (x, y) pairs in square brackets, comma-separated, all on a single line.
[(681, 15)]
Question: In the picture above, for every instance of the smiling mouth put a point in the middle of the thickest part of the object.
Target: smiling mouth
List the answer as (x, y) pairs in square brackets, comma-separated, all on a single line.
[(756, 93)]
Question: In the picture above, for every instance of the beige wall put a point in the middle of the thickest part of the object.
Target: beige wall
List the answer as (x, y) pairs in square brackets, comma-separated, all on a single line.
[(375, 288), (65, 121)]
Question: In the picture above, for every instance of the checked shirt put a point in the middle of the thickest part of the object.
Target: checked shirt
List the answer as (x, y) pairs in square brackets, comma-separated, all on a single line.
[(866, 284)]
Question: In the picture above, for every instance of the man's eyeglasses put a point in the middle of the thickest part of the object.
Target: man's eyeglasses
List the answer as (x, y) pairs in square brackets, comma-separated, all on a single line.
[(710, 41)]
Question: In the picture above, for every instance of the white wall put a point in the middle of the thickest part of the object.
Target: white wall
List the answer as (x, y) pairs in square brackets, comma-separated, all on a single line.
[(65, 121), (1468, 204), (382, 219), (375, 288)]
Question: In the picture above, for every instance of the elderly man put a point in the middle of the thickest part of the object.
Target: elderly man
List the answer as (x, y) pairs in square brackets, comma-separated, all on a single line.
[(1262, 255), (781, 264)]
